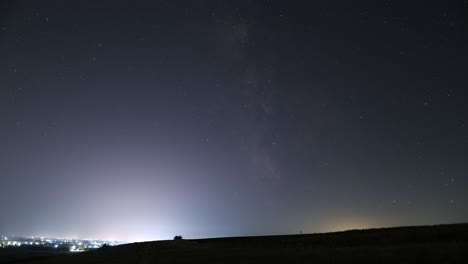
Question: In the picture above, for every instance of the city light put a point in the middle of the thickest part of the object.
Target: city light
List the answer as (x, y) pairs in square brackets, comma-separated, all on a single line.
[(41, 243)]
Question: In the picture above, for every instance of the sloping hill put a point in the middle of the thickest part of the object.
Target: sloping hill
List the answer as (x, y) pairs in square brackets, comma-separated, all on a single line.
[(420, 244)]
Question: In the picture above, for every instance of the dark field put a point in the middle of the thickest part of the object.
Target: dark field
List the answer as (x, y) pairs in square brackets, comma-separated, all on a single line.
[(425, 244)]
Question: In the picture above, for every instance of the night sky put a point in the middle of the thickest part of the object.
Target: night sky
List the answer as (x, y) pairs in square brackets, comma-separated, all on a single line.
[(142, 120)]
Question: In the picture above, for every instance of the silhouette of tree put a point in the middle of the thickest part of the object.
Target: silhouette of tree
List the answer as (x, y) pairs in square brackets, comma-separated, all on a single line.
[(105, 246), (178, 237)]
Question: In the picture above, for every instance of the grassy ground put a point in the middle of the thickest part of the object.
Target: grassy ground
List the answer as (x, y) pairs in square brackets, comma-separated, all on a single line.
[(429, 244)]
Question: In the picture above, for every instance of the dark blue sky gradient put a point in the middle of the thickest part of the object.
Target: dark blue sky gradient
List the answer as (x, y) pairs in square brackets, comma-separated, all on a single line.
[(143, 120)]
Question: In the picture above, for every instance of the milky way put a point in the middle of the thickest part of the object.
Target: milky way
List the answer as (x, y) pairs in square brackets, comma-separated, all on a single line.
[(144, 120)]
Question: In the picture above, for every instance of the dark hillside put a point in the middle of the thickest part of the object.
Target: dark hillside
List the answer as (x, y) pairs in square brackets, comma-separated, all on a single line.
[(422, 244)]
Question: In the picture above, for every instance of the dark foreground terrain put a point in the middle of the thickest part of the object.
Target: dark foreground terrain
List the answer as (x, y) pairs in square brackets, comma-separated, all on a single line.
[(425, 244)]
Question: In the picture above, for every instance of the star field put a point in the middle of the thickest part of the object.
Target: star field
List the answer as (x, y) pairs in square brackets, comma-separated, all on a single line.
[(142, 120)]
